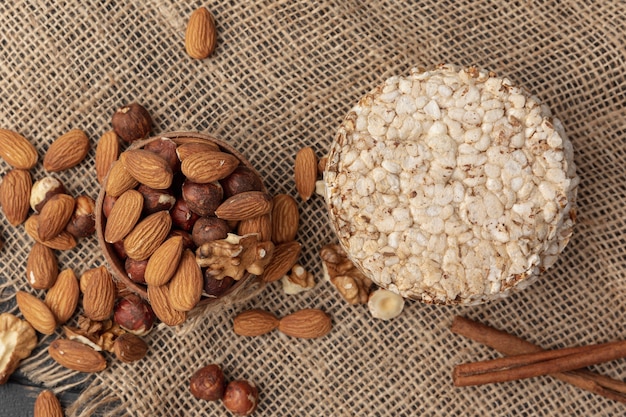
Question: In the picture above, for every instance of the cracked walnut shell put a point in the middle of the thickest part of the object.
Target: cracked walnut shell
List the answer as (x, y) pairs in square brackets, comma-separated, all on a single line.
[(17, 341)]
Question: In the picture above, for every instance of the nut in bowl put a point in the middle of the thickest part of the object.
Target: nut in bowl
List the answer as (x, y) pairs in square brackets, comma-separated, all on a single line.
[(162, 221)]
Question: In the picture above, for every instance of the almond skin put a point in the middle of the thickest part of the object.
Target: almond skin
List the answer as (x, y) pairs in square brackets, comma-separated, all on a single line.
[(244, 206), (148, 235), (107, 152), (284, 258), (47, 405), (62, 298), (254, 323), (148, 168), (201, 34), (285, 218), (164, 261), (16, 150), (62, 241), (261, 225), (67, 151), (305, 172), (203, 167), (15, 195), (42, 267), (36, 312), (308, 324), (185, 287), (159, 298), (119, 180), (123, 216), (77, 356), (55, 215), (99, 295)]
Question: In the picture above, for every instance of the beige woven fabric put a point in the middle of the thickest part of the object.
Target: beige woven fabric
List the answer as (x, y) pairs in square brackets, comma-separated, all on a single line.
[(283, 76)]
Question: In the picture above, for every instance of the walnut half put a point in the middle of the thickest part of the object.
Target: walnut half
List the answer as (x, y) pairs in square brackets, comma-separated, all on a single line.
[(351, 283), (17, 341)]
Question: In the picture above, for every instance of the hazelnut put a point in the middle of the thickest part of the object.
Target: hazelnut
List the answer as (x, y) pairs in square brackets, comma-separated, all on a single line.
[(134, 315), (202, 199), (136, 270), (182, 216), (131, 122), (83, 221), (207, 229), (156, 200), (207, 383), (107, 204), (241, 397), (166, 149), (242, 179), (129, 348), (42, 190), (216, 287), (187, 240)]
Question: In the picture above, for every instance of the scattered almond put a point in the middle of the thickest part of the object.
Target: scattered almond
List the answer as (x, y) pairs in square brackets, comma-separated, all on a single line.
[(160, 302), (36, 312), (107, 152), (147, 168), (204, 167), (41, 267), (62, 241), (47, 405), (16, 150), (307, 323), (284, 258), (67, 151), (76, 356), (285, 218), (15, 195), (55, 215), (123, 216), (254, 323), (305, 172), (201, 34), (148, 235), (99, 295), (62, 298), (185, 287), (244, 206), (164, 261), (119, 180)]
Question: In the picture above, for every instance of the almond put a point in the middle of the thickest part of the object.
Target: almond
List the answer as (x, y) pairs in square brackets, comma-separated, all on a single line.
[(76, 356), (119, 180), (159, 298), (47, 405), (124, 216), (42, 267), (55, 215), (36, 312), (164, 261), (107, 152), (206, 167), (254, 323), (307, 323), (285, 218), (15, 195), (284, 258), (185, 287), (305, 172), (16, 150), (148, 168), (201, 34), (148, 235), (67, 151), (99, 295), (129, 347), (62, 298), (244, 206), (190, 148), (261, 225), (62, 241)]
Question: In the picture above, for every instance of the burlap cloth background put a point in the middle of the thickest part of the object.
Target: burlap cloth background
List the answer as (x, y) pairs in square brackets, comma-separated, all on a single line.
[(283, 76)]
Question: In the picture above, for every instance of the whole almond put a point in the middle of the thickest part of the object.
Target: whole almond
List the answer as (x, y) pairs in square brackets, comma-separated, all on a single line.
[(129, 347), (307, 323), (148, 235), (76, 356), (254, 323), (99, 295), (201, 34), (285, 218), (62, 298), (47, 405), (148, 168), (119, 180), (16, 150), (42, 267), (185, 287), (15, 195), (164, 261), (107, 152), (261, 225), (284, 258), (186, 149), (124, 216), (305, 172), (36, 312), (159, 298), (62, 241), (67, 151), (55, 215), (244, 206), (204, 167)]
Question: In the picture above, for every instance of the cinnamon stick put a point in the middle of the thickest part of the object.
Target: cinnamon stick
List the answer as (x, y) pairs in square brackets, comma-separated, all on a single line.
[(512, 345)]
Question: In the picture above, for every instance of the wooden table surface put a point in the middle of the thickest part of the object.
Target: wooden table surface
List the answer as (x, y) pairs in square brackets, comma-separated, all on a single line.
[(17, 397)]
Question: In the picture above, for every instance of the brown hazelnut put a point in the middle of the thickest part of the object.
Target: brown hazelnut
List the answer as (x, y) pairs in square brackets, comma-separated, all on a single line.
[(136, 270), (241, 397), (156, 200), (207, 229), (42, 190), (202, 199), (182, 216), (242, 179), (134, 315), (83, 221), (166, 149), (187, 240), (216, 287), (107, 204), (131, 122), (129, 347), (207, 383)]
